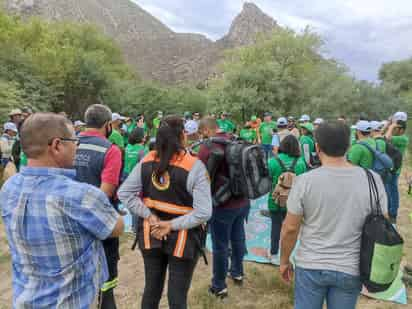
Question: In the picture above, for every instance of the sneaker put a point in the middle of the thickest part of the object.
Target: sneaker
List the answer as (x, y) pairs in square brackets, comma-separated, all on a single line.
[(218, 293), (238, 280)]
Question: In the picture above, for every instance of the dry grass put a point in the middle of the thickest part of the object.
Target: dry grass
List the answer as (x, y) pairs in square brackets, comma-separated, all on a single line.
[(262, 288)]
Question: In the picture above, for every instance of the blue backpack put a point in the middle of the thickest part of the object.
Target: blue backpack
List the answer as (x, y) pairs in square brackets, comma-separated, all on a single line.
[(382, 163)]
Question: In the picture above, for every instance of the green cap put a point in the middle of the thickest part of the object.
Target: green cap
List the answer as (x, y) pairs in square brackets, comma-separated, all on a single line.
[(253, 118), (308, 126)]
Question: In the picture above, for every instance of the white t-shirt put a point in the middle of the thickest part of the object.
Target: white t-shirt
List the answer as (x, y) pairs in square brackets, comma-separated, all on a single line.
[(334, 203)]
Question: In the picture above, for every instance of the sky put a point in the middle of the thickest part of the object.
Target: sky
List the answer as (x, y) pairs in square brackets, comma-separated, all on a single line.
[(362, 34)]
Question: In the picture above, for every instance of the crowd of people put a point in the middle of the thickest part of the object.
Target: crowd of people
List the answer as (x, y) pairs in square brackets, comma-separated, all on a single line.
[(63, 216)]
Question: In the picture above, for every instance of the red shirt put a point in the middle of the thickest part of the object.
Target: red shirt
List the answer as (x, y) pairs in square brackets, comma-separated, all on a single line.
[(112, 166), (203, 155)]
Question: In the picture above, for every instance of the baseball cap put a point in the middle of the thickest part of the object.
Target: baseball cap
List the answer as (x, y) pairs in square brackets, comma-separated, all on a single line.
[(400, 116), (308, 126), (291, 118), (318, 121), (191, 127), (79, 123), (116, 116), (305, 118), (267, 114), (225, 114), (376, 125), (15, 111), (253, 118), (363, 126), (282, 121), (10, 126)]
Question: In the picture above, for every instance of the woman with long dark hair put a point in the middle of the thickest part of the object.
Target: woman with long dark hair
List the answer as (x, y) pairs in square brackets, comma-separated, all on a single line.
[(169, 191), (289, 159)]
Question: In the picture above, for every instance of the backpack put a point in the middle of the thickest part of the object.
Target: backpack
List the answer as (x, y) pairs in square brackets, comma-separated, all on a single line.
[(285, 181), (247, 168), (382, 163), (394, 154), (381, 246)]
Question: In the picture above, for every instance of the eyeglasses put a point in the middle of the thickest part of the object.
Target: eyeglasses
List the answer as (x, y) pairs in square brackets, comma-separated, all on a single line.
[(74, 140)]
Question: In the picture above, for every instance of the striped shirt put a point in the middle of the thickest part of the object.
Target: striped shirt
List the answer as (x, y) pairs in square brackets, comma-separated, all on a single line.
[(54, 226)]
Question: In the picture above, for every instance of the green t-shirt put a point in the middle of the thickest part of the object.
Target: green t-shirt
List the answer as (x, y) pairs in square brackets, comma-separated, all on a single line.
[(248, 135), (133, 155), (23, 159), (156, 125), (275, 171), (117, 139), (226, 125), (380, 144), (353, 136), (307, 140), (401, 142), (360, 155), (266, 131)]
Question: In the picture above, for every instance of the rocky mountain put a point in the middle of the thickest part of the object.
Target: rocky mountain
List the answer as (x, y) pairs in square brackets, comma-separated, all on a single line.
[(151, 47)]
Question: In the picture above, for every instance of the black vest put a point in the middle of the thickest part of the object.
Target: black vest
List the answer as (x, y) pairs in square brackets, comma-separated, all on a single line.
[(168, 199)]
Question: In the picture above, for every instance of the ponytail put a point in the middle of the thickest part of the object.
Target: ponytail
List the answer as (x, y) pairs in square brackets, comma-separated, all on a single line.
[(168, 142)]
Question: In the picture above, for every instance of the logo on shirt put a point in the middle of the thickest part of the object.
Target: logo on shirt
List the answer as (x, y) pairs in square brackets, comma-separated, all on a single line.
[(161, 183)]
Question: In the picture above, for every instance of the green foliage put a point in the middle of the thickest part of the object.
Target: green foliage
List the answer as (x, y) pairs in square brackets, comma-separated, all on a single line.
[(286, 74), (397, 77)]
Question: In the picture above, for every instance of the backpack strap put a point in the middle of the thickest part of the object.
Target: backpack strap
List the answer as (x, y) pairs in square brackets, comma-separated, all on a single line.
[(283, 166), (369, 147)]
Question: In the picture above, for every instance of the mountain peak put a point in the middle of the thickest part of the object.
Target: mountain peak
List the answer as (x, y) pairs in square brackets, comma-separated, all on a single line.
[(247, 25)]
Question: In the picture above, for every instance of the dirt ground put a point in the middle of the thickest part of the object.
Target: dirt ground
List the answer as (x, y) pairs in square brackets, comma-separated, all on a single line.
[(262, 287)]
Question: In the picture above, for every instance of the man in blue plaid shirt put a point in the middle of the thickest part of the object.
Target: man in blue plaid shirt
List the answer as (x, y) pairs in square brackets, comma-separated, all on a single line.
[(55, 225)]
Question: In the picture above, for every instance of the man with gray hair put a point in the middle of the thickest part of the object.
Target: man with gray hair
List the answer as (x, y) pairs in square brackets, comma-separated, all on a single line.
[(99, 163), (54, 225)]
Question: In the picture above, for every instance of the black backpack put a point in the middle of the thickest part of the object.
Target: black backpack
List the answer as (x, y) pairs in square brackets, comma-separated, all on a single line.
[(381, 246), (247, 167), (394, 154)]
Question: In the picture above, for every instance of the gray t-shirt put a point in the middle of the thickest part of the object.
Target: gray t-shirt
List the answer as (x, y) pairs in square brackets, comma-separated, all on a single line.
[(334, 203)]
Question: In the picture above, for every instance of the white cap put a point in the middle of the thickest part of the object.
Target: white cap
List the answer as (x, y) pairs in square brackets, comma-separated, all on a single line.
[(305, 118), (116, 116), (318, 121), (376, 125), (79, 123), (363, 126), (282, 121), (400, 116), (191, 127), (10, 126)]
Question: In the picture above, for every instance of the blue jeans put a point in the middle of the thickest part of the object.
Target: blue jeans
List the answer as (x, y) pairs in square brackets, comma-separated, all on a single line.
[(392, 190), (227, 228), (268, 149), (313, 287)]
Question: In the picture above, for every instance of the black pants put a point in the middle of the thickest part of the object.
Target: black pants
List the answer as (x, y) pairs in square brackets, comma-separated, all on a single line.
[(277, 221), (180, 277), (106, 296)]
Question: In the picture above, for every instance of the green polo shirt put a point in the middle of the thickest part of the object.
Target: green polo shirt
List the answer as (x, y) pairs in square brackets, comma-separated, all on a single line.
[(360, 155), (307, 140), (266, 131), (275, 170)]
